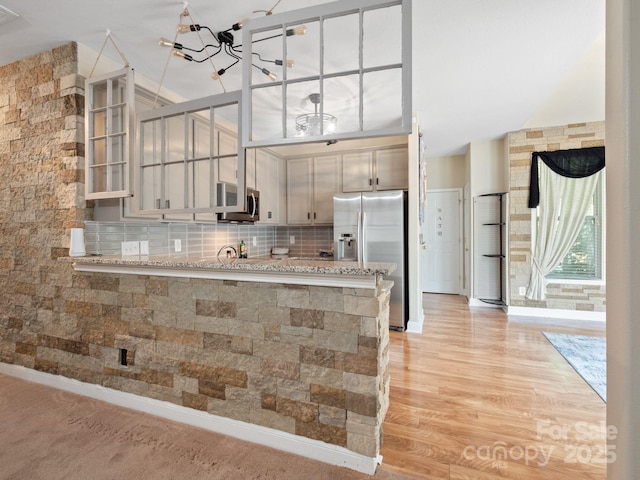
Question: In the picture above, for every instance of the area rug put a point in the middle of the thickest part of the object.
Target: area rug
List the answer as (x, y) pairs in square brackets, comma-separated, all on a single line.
[(587, 355)]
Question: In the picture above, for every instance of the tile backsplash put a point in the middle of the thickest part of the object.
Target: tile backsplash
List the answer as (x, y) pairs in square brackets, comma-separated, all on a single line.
[(202, 240)]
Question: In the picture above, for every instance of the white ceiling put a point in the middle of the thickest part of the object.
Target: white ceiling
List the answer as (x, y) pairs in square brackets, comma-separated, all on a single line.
[(480, 68)]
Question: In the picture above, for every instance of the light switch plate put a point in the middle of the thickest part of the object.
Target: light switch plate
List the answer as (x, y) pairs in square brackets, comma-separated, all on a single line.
[(130, 248), (144, 247), (292, 239), (177, 245)]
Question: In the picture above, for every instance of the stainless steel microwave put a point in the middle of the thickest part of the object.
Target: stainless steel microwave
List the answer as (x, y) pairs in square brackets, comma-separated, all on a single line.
[(227, 195)]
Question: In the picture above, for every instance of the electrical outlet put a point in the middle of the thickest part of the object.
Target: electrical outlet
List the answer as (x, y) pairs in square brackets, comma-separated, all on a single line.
[(130, 248), (254, 241), (144, 247), (292, 239), (522, 291), (177, 245)]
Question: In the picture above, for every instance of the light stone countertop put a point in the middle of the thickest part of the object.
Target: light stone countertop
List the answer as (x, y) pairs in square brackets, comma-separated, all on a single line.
[(298, 270)]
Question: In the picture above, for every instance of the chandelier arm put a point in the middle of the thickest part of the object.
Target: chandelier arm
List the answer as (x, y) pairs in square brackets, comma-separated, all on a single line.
[(209, 30), (210, 57), (237, 60), (266, 60), (232, 52), (210, 45)]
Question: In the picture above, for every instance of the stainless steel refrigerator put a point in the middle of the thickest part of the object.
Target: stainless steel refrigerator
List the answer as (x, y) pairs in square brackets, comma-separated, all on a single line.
[(372, 227)]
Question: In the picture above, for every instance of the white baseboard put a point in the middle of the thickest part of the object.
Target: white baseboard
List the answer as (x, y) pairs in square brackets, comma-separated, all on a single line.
[(474, 302), (414, 325), (556, 313), (306, 447)]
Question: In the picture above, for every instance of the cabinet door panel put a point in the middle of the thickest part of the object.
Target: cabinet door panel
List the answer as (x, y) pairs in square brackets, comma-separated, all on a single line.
[(151, 194), (268, 184), (250, 168), (326, 183), (299, 175), (174, 186), (392, 171), (357, 172), (227, 149)]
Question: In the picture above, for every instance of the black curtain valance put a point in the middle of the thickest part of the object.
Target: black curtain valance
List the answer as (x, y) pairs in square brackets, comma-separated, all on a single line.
[(573, 163)]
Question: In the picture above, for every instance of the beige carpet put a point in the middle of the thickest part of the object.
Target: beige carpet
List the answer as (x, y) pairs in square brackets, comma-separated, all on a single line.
[(47, 433)]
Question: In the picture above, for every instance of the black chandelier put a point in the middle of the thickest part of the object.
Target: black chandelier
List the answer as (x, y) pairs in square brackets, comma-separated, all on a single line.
[(224, 42)]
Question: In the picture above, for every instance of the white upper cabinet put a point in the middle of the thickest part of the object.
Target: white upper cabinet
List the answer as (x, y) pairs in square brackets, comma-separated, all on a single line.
[(357, 172), (326, 183), (311, 185), (269, 173), (385, 169), (184, 151), (299, 191), (227, 151), (250, 168), (109, 134), (392, 169)]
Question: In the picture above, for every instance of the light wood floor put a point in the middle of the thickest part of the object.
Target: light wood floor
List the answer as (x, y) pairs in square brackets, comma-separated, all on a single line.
[(476, 396)]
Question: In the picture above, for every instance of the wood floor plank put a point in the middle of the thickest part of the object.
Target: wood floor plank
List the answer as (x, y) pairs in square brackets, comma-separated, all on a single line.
[(477, 396)]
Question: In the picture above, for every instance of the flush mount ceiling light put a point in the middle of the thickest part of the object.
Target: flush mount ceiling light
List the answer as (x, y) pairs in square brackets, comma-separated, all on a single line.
[(309, 124), (224, 44)]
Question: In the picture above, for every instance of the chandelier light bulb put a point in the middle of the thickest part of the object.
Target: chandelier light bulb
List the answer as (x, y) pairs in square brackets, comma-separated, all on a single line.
[(165, 42), (179, 54), (290, 63), (218, 74), (271, 76), (299, 30), (186, 28)]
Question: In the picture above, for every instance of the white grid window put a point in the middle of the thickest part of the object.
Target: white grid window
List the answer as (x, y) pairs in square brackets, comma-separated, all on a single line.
[(109, 132)]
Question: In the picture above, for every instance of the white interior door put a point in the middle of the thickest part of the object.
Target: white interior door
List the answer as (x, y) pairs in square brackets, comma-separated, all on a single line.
[(442, 248)]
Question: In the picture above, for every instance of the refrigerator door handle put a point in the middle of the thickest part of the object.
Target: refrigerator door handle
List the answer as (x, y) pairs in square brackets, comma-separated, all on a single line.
[(364, 238), (358, 237)]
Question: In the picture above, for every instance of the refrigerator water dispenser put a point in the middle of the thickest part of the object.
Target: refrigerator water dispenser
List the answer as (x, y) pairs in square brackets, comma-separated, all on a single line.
[(347, 247)]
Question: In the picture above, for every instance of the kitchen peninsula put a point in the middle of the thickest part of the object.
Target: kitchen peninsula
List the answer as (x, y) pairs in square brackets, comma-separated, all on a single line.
[(296, 345)]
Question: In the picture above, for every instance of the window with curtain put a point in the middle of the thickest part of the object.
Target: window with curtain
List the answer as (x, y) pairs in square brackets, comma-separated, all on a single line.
[(584, 259), (566, 191)]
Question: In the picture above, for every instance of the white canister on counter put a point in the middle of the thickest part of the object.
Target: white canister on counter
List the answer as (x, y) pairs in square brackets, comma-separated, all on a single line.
[(76, 246)]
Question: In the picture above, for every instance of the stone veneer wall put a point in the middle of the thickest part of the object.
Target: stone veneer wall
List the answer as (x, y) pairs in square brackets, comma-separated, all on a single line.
[(571, 296), (42, 187), (310, 361), (303, 360)]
